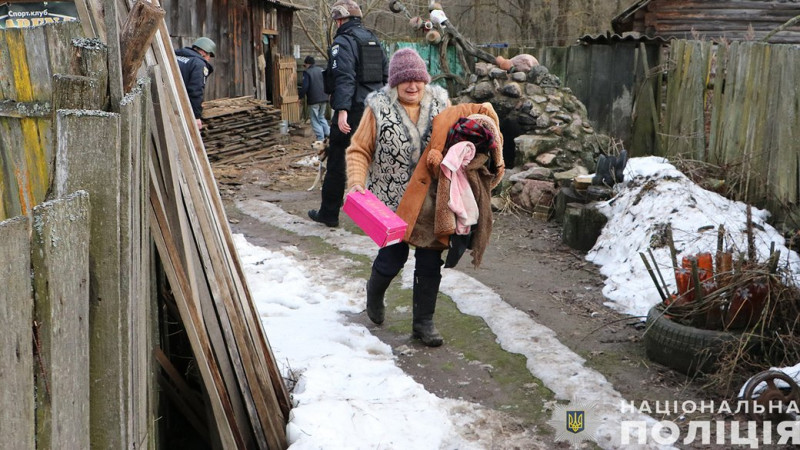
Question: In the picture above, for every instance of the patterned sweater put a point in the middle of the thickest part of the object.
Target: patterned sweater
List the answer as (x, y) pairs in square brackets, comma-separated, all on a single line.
[(389, 141)]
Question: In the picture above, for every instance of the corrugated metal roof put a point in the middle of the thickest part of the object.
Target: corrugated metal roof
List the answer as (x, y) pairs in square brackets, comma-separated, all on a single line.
[(628, 36)]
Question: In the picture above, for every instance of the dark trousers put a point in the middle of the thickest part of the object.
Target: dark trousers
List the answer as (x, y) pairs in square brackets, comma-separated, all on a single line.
[(336, 175), (392, 258)]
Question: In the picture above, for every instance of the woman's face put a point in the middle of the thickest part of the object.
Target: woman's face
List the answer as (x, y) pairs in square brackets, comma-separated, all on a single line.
[(411, 91)]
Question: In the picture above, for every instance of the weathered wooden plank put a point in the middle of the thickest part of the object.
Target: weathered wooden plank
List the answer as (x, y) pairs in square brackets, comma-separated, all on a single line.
[(134, 291), (746, 127), (145, 384), (729, 146), (720, 4), (110, 20), (174, 226), (87, 19), (38, 62), (17, 421), (61, 281), (76, 92), (36, 164), (784, 164), (193, 188), (760, 139), (149, 329), (718, 104), (11, 108), (129, 135), (228, 433), (15, 177), (675, 79), (645, 126), (7, 89), (59, 45), (92, 60), (218, 238), (135, 37), (684, 124), (88, 158)]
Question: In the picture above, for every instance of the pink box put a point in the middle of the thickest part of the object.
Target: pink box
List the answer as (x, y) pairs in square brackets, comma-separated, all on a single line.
[(375, 218)]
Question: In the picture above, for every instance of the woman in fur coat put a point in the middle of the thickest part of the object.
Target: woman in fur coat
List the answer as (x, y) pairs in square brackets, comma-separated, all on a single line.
[(382, 157), (407, 123)]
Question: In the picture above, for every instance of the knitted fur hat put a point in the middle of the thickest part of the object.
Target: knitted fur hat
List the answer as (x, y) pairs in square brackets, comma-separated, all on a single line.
[(343, 9), (407, 65)]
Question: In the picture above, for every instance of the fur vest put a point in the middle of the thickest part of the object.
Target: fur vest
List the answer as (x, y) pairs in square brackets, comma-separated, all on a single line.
[(399, 142)]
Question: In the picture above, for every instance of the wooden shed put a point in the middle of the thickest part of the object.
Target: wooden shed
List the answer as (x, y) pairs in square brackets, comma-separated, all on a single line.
[(254, 47), (734, 20)]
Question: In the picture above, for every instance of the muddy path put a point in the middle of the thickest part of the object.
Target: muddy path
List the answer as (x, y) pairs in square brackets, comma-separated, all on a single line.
[(526, 264)]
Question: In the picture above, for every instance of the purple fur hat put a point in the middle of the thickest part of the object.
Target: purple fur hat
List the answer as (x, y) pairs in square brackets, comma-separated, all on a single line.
[(407, 65)]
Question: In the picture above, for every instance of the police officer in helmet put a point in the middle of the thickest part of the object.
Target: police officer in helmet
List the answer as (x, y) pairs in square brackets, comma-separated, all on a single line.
[(195, 65)]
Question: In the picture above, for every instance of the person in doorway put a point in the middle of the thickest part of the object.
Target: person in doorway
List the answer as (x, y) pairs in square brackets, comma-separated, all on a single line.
[(313, 89), (195, 65), (357, 66), (385, 150)]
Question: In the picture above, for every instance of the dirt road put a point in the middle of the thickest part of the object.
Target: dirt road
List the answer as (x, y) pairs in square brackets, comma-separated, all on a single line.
[(527, 265)]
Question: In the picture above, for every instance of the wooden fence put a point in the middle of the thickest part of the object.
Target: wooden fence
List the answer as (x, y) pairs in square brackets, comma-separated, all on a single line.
[(736, 106), (90, 181), (92, 366), (45, 368)]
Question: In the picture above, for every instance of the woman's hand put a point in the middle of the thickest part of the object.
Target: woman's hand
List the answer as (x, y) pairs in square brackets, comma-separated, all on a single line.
[(356, 188), (434, 162)]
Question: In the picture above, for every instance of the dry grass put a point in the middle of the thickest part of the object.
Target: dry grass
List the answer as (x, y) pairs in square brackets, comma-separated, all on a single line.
[(769, 336)]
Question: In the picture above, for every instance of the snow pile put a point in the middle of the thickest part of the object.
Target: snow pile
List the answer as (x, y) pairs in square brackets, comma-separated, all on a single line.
[(655, 194)]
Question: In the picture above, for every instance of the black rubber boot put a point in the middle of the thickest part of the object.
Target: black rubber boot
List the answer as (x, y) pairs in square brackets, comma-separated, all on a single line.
[(603, 164), (317, 216), (376, 288), (425, 291)]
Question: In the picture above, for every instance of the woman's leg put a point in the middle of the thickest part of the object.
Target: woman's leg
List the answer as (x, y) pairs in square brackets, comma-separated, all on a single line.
[(427, 277), (387, 265)]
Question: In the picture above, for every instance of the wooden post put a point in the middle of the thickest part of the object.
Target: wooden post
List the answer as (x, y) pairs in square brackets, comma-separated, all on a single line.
[(60, 260), (16, 352), (88, 158), (91, 59), (135, 38)]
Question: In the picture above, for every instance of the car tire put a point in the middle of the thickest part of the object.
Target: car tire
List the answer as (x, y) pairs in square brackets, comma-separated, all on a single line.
[(686, 349)]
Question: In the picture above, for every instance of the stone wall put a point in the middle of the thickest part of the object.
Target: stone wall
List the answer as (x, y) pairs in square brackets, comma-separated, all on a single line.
[(552, 137)]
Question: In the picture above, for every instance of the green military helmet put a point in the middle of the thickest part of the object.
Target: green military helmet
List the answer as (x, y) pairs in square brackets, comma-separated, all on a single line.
[(206, 44)]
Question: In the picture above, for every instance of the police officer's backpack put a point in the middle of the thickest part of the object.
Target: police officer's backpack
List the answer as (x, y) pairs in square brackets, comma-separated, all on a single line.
[(370, 62)]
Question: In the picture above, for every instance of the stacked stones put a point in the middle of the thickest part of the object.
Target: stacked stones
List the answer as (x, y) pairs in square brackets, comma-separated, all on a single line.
[(553, 138)]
